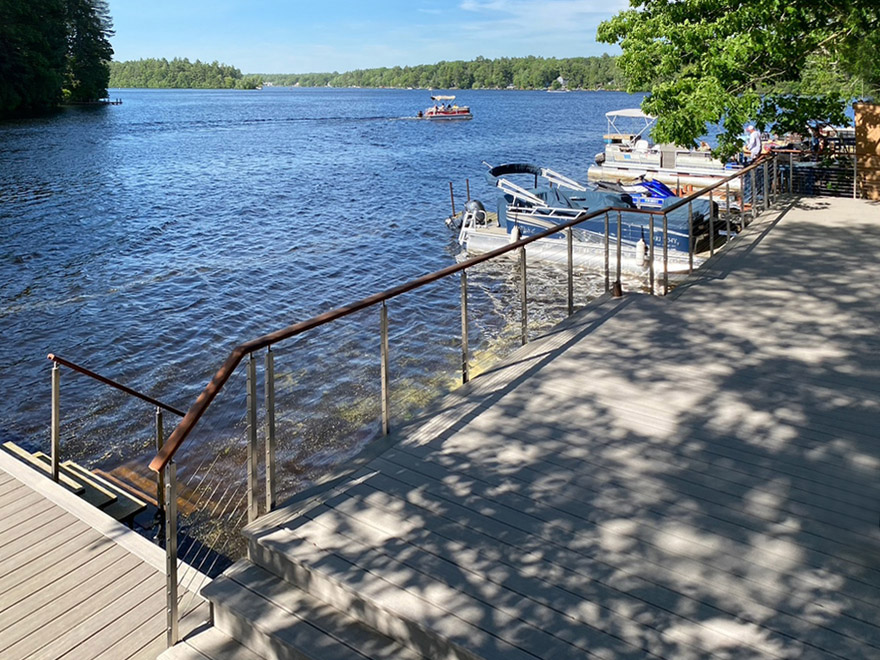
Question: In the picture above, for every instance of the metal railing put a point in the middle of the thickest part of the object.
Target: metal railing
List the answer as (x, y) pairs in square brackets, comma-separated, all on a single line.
[(758, 184)]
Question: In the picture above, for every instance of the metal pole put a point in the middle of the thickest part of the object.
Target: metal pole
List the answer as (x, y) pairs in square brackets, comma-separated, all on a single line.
[(727, 213), (754, 195), (607, 269), (711, 223), (691, 242), (570, 241), (171, 553), (270, 430), (452, 198), (855, 177), (252, 501), (386, 397), (524, 298), (160, 476), (790, 172), (465, 373), (665, 254), (467, 185), (766, 186), (651, 253), (619, 247), (56, 420)]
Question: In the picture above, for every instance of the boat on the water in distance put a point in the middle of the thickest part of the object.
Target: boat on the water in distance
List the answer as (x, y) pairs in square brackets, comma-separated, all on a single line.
[(555, 199), (628, 156), (444, 110)]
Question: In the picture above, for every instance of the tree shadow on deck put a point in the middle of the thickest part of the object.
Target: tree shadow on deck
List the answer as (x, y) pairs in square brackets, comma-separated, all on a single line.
[(673, 478)]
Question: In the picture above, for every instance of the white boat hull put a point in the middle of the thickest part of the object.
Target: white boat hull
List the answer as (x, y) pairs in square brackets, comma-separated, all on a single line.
[(675, 179)]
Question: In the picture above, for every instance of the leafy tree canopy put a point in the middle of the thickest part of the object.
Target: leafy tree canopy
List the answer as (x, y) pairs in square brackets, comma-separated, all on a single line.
[(179, 73), (782, 64)]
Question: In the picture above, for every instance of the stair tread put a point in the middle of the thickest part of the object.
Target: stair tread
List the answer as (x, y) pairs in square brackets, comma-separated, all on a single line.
[(33, 461), (298, 620), (124, 505), (209, 644), (444, 612), (96, 496)]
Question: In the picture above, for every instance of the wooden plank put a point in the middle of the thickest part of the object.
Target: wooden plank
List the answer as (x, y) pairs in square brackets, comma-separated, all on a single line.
[(53, 534), (56, 550), (18, 518), (119, 581), (40, 515)]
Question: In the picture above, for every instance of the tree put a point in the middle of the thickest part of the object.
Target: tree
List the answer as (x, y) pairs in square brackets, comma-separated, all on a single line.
[(732, 62), (88, 50), (32, 51)]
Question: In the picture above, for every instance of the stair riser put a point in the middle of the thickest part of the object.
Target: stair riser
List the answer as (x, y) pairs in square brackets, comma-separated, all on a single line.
[(404, 631), (245, 632)]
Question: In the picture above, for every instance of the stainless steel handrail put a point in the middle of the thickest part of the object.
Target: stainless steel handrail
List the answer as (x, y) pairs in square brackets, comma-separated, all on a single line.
[(112, 383)]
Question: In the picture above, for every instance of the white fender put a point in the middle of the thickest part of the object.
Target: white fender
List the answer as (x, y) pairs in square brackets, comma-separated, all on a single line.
[(641, 251), (514, 235)]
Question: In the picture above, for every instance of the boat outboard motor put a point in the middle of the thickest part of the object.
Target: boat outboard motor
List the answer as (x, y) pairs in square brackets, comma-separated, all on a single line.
[(475, 212)]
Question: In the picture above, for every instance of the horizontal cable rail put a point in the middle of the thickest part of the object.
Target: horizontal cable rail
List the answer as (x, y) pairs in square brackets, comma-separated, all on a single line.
[(204, 400), (112, 383)]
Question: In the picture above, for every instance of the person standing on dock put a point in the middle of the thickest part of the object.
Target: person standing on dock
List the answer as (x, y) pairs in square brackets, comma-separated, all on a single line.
[(754, 144)]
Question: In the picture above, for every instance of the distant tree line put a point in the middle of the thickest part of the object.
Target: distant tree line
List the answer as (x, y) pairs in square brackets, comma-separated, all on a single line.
[(52, 51), (481, 73), (179, 74)]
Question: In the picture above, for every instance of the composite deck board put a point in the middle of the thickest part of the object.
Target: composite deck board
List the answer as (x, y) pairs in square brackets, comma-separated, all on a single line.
[(72, 590), (691, 476)]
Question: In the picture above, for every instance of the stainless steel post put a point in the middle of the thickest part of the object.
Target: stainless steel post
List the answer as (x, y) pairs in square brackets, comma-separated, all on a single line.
[(465, 373), (727, 213), (665, 254), (524, 297), (766, 186), (607, 268), (171, 625), (252, 500), (269, 388), (855, 177), (56, 420), (790, 172), (386, 395), (160, 477), (753, 213), (692, 243), (651, 252), (569, 237), (711, 223), (619, 246)]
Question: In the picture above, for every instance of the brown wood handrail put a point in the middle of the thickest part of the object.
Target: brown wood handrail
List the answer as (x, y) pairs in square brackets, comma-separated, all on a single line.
[(204, 400), (112, 383)]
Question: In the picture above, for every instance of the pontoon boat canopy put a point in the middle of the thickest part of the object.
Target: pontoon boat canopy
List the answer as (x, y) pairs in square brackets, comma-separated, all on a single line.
[(632, 113), (442, 98)]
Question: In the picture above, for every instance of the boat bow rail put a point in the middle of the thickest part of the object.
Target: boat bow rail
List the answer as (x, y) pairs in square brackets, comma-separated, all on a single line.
[(163, 462)]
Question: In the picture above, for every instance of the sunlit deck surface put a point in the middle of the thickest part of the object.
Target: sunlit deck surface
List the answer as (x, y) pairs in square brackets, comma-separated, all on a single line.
[(74, 583), (689, 477)]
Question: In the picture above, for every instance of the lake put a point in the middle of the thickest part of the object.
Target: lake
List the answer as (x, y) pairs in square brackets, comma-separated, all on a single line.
[(145, 240)]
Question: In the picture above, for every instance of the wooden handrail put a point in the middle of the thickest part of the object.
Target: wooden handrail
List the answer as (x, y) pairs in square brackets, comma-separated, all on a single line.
[(204, 400), (112, 383)]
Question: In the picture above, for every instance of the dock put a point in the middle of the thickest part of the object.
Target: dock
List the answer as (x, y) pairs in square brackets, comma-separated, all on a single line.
[(76, 584), (682, 477), (693, 476)]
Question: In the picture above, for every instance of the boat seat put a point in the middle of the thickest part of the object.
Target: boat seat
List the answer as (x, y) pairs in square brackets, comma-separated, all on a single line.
[(642, 145)]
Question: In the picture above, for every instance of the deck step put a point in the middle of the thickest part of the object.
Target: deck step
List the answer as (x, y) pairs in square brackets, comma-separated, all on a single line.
[(125, 505), (282, 622), (396, 613), (92, 493), (29, 458), (209, 644)]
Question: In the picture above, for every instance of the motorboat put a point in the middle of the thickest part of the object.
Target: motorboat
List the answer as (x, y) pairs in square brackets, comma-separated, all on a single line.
[(553, 199), (444, 109), (630, 156)]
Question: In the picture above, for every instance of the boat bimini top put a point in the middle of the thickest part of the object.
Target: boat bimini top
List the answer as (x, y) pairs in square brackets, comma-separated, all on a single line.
[(638, 121), (496, 175)]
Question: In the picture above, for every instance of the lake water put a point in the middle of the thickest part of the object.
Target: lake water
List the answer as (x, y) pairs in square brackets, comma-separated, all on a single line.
[(146, 240)]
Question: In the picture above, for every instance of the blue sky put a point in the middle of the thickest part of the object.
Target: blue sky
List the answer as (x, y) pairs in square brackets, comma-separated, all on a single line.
[(302, 36)]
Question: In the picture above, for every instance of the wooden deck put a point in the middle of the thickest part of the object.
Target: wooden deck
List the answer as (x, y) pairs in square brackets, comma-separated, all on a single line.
[(74, 583), (689, 477)]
